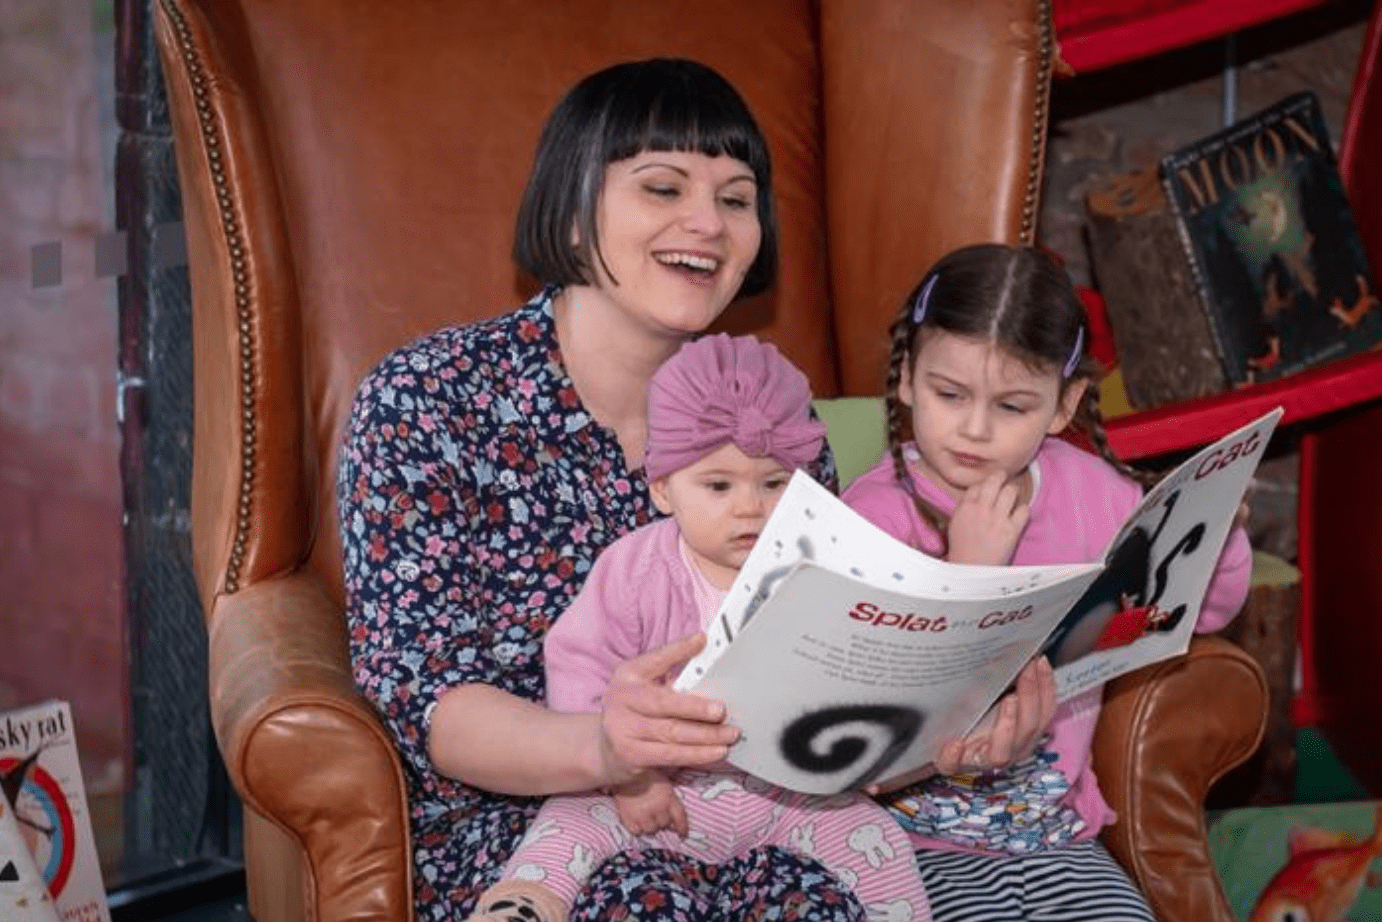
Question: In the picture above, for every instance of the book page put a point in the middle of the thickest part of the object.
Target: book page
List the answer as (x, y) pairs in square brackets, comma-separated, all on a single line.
[(835, 684), (1144, 606), (812, 524), (846, 657)]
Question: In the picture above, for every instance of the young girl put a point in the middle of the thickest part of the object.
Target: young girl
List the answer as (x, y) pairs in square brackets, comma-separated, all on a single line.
[(729, 420), (987, 368)]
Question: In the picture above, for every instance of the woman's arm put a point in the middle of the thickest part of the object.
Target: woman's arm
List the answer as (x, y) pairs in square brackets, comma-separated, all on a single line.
[(497, 741)]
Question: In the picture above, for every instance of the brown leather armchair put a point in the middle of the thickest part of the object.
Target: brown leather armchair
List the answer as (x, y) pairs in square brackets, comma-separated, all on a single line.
[(350, 174)]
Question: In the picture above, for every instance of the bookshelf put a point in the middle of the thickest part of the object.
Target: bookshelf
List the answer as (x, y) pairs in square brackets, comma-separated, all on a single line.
[(1095, 34), (1334, 410)]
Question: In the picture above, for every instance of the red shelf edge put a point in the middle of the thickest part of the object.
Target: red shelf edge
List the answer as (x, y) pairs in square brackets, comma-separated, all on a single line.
[(1306, 395), (1121, 42)]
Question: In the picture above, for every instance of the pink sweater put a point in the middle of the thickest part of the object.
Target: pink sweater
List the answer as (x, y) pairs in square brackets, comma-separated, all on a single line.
[(642, 593), (1079, 503)]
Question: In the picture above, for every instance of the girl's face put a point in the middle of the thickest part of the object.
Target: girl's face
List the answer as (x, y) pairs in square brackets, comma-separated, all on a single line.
[(721, 503), (977, 410), (678, 231)]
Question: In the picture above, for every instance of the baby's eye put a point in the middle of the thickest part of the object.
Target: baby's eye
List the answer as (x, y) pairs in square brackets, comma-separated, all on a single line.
[(775, 484), (717, 486)]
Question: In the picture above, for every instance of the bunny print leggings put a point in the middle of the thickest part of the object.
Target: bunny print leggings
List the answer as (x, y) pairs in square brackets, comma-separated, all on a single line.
[(730, 813)]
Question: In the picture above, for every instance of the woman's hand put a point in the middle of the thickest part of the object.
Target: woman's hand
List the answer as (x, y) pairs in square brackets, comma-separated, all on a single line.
[(1021, 718), (987, 522), (646, 724)]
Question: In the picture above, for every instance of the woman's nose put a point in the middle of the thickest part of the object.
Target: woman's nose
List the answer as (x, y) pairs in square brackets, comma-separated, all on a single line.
[(703, 214)]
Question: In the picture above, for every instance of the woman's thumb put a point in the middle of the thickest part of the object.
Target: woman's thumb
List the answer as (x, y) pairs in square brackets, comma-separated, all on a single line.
[(657, 663)]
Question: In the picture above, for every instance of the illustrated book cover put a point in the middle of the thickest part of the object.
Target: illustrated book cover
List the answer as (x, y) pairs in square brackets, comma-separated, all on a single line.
[(23, 895), (42, 781), (846, 658), (1272, 243), (1310, 861)]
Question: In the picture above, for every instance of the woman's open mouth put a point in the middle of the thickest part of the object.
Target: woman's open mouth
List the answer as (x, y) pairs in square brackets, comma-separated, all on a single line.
[(696, 267)]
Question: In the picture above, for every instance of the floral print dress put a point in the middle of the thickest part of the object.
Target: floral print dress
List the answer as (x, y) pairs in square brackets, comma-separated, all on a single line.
[(474, 493)]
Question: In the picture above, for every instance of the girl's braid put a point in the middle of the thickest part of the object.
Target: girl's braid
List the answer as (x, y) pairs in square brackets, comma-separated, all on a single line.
[(899, 354), (1089, 419)]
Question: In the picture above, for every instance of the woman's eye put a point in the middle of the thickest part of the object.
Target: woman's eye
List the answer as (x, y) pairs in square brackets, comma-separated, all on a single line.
[(737, 203), (662, 191)]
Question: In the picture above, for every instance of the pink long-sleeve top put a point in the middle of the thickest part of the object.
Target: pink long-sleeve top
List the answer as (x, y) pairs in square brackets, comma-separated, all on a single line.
[(642, 592), (1079, 503)]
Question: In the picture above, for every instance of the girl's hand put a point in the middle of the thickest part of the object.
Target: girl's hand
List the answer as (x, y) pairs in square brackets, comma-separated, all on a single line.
[(650, 804), (645, 724), (1021, 718), (987, 522)]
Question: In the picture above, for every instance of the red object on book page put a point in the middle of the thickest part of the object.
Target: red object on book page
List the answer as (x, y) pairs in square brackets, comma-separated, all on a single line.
[(1095, 34)]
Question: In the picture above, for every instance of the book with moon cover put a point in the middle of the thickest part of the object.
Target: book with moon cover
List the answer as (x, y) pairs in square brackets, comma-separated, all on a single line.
[(1272, 243)]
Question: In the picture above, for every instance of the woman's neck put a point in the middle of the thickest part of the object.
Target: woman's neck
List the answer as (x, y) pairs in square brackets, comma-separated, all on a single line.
[(611, 362)]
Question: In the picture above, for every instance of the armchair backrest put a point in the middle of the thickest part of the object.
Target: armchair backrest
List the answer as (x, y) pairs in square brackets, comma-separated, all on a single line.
[(351, 172)]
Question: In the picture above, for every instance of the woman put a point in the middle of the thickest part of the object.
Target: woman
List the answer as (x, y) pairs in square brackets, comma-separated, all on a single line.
[(486, 466)]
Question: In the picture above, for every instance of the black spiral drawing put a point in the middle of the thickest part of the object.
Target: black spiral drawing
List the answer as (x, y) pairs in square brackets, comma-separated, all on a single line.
[(799, 739)]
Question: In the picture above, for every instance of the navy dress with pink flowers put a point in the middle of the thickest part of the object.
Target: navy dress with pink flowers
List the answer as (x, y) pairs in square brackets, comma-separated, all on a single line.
[(474, 493)]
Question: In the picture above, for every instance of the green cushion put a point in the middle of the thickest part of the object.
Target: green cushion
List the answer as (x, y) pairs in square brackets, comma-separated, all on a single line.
[(857, 428)]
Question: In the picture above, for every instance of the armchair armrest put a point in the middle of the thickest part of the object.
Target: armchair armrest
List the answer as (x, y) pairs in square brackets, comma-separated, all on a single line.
[(1167, 732), (306, 751)]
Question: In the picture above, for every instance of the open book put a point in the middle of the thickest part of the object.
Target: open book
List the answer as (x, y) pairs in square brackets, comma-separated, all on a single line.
[(847, 658)]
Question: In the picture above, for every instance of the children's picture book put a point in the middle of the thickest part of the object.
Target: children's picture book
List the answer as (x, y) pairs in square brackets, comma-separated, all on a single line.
[(846, 658), (23, 895), (1272, 243), (42, 782), (1320, 862)]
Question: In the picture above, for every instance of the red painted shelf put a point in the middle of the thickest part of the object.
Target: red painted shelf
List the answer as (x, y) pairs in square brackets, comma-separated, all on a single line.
[(1306, 395), (1095, 34)]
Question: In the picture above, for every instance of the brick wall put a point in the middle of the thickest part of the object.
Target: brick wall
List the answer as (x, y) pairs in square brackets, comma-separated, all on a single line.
[(60, 502)]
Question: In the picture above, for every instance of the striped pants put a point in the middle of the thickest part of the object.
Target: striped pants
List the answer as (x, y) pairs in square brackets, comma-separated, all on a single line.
[(1078, 883), (730, 813)]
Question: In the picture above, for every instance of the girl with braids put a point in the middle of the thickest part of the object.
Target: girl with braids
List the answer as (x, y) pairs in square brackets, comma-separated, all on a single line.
[(987, 368)]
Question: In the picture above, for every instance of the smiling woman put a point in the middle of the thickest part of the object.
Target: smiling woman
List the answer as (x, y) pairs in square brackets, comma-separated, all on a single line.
[(485, 467)]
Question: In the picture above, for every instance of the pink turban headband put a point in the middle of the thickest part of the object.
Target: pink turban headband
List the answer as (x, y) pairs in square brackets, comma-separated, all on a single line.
[(721, 389)]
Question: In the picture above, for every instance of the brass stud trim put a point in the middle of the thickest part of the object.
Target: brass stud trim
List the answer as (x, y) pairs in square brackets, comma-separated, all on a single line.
[(1041, 113), (213, 144)]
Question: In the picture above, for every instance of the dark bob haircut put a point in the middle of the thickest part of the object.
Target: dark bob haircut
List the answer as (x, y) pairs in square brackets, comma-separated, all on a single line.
[(662, 104)]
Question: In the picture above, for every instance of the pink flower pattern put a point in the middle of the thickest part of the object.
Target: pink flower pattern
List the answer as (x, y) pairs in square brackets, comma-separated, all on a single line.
[(474, 493)]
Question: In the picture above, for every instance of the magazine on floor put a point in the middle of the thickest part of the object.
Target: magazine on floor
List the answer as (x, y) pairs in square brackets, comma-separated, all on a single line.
[(46, 799), (847, 658)]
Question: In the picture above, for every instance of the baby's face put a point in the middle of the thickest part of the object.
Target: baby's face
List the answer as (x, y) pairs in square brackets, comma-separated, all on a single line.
[(721, 503)]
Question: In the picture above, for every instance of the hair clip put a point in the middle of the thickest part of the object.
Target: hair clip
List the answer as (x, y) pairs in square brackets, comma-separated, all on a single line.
[(923, 298), (1075, 353)]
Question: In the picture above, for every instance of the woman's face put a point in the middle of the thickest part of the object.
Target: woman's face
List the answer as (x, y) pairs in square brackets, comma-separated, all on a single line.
[(678, 232)]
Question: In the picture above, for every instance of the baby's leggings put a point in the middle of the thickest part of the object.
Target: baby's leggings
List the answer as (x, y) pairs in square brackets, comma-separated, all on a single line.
[(730, 813)]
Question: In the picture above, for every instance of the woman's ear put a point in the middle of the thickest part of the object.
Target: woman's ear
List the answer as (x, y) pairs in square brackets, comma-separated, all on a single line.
[(657, 489), (1069, 405)]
